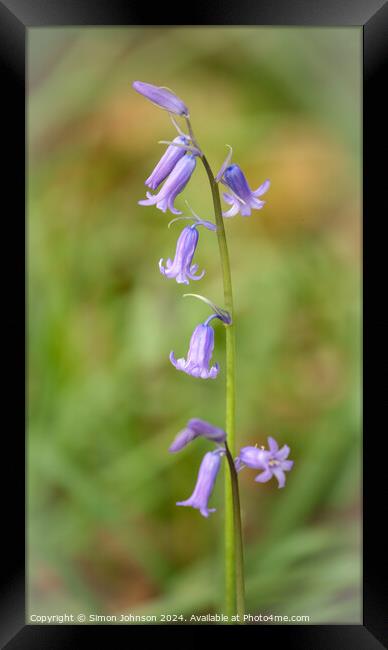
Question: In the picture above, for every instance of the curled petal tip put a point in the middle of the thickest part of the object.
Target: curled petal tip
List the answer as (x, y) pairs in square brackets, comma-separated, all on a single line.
[(214, 371), (263, 188)]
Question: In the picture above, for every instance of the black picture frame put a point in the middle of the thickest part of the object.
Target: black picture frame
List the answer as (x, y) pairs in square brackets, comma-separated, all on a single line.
[(16, 17)]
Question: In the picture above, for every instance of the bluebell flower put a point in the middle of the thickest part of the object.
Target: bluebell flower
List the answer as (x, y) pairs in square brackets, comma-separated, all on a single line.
[(273, 462), (167, 162), (242, 198), (174, 185), (182, 268), (207, 475), (199, 354), (162, 97), (195, 428)]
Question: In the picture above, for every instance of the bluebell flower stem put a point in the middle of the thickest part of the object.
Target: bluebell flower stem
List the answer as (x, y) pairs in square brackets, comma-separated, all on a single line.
[(234, 563), (239, 552)]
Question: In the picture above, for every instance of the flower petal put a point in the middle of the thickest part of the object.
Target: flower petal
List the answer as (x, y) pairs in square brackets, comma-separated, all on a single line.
[(214, 370), (263, 188), (245, 210), (171, 207), (283, 452), (280, 475), (254, 457), (204, 428), (264, 476), (233, 210), (256, 204), (273, 445), (182, 439), (195, 277), (161, 267), (229, 198), (205, 512), (173, 359)]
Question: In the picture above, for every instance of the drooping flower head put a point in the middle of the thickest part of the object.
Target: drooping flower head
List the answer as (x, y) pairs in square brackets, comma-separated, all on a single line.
[(182, 268), (195, 428), (273, 461), (162, 97), (166, 164), (241, 198), (199, 354), (207, 475), (174, 185)]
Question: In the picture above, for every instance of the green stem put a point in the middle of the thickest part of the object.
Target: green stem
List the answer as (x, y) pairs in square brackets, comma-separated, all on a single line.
[(234, 560), (240, 592), (234, 563)]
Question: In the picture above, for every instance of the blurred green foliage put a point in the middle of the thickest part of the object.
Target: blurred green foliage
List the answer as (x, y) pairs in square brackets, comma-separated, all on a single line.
[(105, 535)]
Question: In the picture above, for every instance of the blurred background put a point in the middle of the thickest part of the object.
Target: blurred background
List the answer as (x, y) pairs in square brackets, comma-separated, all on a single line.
[(104, 534)]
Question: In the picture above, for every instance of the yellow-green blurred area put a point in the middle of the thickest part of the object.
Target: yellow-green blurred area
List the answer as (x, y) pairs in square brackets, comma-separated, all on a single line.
[(105, 535)]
